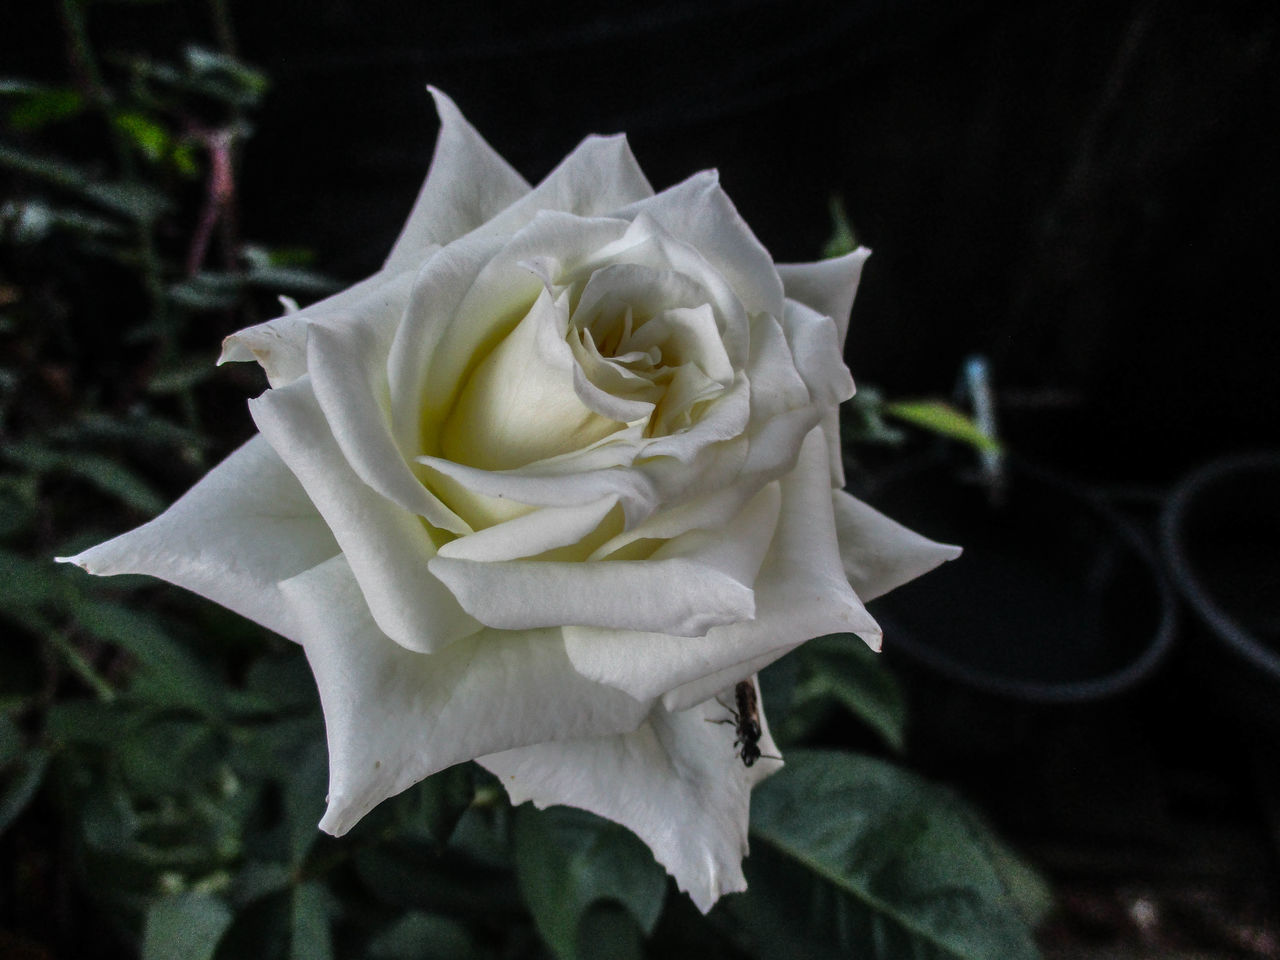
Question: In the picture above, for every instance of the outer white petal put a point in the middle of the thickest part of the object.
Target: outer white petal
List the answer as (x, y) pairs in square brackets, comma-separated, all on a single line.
[(676, 782), (280, 345), (246, 525), (348, 373), (388, 547), (776, 385), (880, 554), (800, 592), (393, 716), (827, 286), (598, 177), (701, 214), (814, 343), (467, 185)]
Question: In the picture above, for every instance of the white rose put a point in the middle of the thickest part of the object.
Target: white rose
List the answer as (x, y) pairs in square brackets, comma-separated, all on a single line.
[(560, 475)]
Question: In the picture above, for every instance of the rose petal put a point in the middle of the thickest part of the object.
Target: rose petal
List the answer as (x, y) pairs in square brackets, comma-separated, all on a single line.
[(646, 243), (388, 548), (835, 449), (813, 339), (776, 385), (467, 184), (528, 594), (348, 374), (800, 592), (827, 286), (687, 586), (880, 554), (598, 177), (558, 482), (725, 418), (531, 534), (676, 782), (246, 525), (814, 344), (520, 404), (280, 345), (393, 717), (466, 299), (711, 511), (438, 288), (699, 213)]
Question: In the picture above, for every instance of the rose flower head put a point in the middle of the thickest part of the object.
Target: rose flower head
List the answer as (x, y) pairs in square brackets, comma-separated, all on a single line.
[(543, 492)]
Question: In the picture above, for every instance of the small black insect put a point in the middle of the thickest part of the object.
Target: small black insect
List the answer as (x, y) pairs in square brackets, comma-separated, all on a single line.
[(746, 722)]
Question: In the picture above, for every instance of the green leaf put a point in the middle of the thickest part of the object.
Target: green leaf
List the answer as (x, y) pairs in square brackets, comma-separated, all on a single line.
[(185, 927), (132, 200), (107, 818), (257, 879), (311, 939), (18, 500), (208, 290), (168, 674), (842, 240), (862, 420), (944, 420), (19, 783), (260, 931), (305, 789), (427, 811), (150, 138), (1028, 891), (33, 220), (108, 475), (567, 860), (841, 669), (89, 722), (608, 932), (167, 756), (42, 106), (183, 374), (284, 680), (225, 77), (422, 936), (852, 856), (184, 160), (27, 584), (293, 280), (143, 430), (414, 875)]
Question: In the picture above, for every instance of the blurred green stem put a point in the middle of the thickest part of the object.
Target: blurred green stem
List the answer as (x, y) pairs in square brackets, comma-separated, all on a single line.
[(80, 666)]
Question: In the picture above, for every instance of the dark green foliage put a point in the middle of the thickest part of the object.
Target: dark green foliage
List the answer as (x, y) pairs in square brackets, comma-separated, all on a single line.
[(852, 856), (568, 862)]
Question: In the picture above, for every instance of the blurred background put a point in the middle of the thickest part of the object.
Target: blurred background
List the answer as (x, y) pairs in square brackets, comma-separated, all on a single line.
[(1066, 341)]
